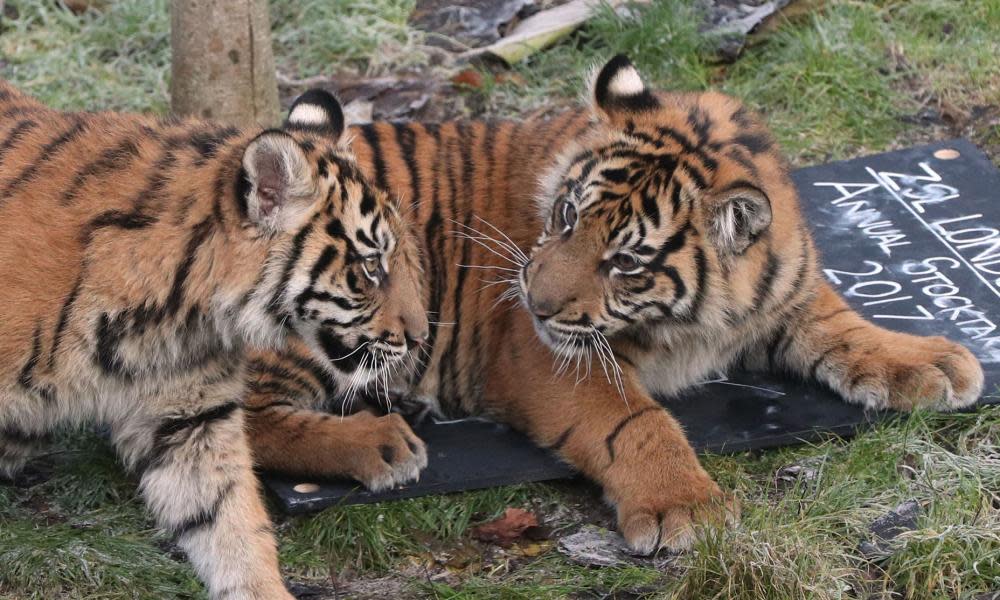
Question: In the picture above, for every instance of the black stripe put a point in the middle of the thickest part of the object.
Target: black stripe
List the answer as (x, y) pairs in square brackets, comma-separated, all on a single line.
[(109, 334), (15, 111), (700, 123), (672, 244), (772, 348), (207, 143), (763, 288), (789, 339), (175, 425), (406, 138), (316, 370), (370, 133), (205, 518), (675, 197), (25, 376), (433, 252), (694, 174), (701, 266), (322, 263), (229, 177), (45, 155), (198, 236), (831, 315), (10, 433), (804, 263), (650, 206), (467, 138), (453, 158), (116, 218), (171, 426), (741, 117), (756, 143), (826, 354), (619, 175), (298, 243), (557, 445), (67, 306), (737, 154), (113, 159), (610, 440), (280, 373), (477, 336), (342, 357), (15, 135)]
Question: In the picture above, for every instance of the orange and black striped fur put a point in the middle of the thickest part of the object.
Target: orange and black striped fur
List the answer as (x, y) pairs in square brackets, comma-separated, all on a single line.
[(141, 258), (653, 240)]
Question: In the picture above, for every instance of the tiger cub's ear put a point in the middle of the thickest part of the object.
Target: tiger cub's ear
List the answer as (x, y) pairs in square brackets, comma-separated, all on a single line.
[(316, 110), (740, 215), (617, 87), (278, 185)]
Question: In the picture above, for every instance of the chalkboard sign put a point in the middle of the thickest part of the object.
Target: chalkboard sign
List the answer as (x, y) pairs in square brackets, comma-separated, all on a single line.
[(910, 238)]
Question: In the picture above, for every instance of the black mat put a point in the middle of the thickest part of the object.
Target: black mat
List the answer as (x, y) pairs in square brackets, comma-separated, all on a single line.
[(912, 240)]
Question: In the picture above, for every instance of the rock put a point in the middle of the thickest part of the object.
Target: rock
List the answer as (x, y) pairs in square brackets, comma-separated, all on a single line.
[(472, 23), (595, 547), (888, 527)]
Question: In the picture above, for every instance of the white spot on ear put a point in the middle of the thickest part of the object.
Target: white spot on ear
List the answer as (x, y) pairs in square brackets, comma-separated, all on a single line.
[(308, 114), (626, 82)]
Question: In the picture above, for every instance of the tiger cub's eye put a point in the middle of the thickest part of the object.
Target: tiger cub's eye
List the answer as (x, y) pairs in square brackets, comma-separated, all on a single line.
[(371, 266), (567, 214), (626, 263)]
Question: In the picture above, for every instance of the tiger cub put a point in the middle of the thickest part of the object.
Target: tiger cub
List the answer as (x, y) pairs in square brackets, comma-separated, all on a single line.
[(652, 240), (141, 258)]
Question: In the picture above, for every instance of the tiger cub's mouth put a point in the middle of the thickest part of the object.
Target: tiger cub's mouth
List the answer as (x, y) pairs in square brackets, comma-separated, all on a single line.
[(562, 339), (380, 371)]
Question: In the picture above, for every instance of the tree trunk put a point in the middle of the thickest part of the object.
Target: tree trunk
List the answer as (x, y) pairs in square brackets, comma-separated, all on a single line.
[(223, 67)]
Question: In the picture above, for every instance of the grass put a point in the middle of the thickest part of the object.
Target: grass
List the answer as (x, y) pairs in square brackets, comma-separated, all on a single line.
[(368, 538), (848, 78)]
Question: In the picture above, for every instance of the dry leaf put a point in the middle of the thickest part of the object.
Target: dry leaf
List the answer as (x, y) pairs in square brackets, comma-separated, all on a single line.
[(545, 28), (532, 549), (504, 530), (468, 78)]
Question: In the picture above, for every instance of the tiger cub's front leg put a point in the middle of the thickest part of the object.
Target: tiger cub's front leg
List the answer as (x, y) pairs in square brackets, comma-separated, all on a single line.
[(289, 434), (631, 446), (198, 481), (872, 366), (380, 452)]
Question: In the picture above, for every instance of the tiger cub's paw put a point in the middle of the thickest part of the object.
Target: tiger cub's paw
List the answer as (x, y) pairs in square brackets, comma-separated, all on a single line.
[(672, 525), (386, 452), (917, 372)]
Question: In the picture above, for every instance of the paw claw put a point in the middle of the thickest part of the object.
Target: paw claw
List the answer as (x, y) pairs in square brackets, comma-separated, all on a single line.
[(675, 529), (918, 373), (392, 455)]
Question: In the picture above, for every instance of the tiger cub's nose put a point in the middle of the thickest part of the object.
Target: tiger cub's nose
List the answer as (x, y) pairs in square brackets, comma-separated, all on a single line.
[(544, 308)]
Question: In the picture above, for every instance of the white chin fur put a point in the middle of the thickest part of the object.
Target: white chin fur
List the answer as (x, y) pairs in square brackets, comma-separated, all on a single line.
[(555, 340)]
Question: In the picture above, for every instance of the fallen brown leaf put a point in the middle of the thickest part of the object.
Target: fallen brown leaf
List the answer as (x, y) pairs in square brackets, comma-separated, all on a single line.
[(468, 78), (506, 529)]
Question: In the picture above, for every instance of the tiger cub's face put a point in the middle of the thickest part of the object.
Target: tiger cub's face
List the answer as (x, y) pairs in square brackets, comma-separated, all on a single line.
[(647, 218), (349, 283)]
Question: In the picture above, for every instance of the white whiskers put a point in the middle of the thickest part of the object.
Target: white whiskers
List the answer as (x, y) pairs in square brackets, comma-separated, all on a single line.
[(606, 354)]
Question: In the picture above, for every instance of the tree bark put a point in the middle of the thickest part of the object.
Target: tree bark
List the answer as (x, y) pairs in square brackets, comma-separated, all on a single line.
[(223, 66)]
